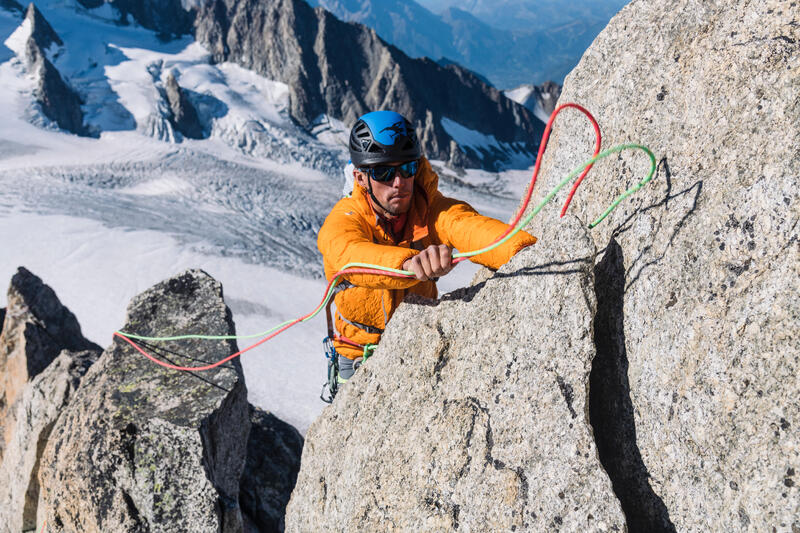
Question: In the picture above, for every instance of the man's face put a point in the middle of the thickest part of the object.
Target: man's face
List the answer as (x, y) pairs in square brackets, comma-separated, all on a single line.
[(394, 195)]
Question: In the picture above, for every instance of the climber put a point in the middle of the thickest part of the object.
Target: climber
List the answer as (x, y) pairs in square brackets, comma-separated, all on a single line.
[(395, 217)]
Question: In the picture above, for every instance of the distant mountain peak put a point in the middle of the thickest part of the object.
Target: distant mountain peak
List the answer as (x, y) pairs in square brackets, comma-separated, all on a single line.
[(33, 42)]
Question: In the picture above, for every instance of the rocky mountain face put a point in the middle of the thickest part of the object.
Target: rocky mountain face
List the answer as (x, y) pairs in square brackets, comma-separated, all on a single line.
[(478, 418), (640, 375), (405, 24), (58, 101), (333, 69), (111, 442), (541, 99), (509, 42), (344, 70), (33, 416)]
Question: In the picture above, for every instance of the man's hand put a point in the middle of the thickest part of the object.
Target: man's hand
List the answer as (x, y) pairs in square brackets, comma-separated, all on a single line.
[(432, 262)]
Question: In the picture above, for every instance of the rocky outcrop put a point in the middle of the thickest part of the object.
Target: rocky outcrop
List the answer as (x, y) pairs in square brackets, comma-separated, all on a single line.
[(344, 70), (34, 414), (140, 445), (701, 333), (184, 115), (57, 100), (125, 445), (36, 328), (692, 343), (472, 413), (273, 460)]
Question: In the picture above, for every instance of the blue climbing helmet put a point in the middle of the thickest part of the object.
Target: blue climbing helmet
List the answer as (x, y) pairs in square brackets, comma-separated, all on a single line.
[(383, 137)]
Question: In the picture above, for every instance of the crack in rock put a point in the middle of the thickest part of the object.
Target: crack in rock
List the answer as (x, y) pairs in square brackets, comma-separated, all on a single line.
[(610, 407)]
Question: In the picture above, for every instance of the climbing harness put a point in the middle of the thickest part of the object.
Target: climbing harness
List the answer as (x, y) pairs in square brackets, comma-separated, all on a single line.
[(364, 268), (331, 386)]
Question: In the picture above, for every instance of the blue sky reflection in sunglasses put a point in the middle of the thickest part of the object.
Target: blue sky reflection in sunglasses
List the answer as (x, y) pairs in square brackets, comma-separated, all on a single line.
[(387, 173)]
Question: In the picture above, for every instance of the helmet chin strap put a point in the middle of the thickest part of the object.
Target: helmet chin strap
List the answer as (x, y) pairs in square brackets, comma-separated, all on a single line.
[(374, 199)]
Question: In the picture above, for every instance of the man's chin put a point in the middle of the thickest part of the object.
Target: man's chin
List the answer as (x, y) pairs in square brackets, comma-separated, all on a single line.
[(398, 208)]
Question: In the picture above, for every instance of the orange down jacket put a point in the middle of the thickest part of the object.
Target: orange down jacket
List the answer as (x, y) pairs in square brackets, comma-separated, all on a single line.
[(353, 232)]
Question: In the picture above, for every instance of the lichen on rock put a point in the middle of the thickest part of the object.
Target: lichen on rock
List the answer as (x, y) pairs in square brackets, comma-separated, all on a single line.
[(142, 447)]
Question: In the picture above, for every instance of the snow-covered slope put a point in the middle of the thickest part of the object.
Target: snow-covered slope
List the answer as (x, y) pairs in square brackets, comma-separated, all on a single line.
[(101, 219)]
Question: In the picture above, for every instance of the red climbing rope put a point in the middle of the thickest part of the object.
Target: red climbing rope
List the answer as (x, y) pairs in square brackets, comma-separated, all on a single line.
[(542, 148), (268, 337), (395, 273)]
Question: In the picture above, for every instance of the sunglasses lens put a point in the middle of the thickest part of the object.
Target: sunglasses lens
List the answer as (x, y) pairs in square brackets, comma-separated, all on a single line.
[(383, 173), (408, 170), (387, 173)]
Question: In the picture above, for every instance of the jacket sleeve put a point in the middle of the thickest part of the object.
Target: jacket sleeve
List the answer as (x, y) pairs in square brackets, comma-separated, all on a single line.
[(344, 238), (458, 225)]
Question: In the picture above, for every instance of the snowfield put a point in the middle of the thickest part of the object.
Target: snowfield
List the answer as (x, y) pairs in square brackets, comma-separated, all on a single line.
[(102, 219)]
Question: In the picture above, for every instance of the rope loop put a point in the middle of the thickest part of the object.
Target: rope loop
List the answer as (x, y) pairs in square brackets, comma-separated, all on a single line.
[(364, 268)]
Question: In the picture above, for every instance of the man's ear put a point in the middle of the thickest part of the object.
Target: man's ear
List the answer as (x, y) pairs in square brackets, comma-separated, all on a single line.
[(360, 178)]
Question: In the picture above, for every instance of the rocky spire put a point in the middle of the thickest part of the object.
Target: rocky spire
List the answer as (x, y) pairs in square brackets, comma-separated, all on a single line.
[(34, 42), (541, 99), (184, 115), (36, 328), (42, 33), (112, 438)]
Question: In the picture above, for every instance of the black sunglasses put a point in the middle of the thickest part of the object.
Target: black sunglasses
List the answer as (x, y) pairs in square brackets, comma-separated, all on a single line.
[(387, 173)]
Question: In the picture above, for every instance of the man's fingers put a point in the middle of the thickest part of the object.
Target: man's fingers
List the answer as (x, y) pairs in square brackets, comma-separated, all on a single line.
[(445, 257), (418, 269), (434, 262)]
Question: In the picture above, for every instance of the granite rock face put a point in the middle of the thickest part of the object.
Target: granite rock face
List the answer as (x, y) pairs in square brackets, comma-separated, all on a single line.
[(34, 414), (692, 345), (273, 460), (696, 377), (35, 330), (142, 448), (472, 414), (345, 70)]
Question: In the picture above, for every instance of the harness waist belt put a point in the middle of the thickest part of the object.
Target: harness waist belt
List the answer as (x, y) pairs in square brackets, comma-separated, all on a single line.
[(369, 329)]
